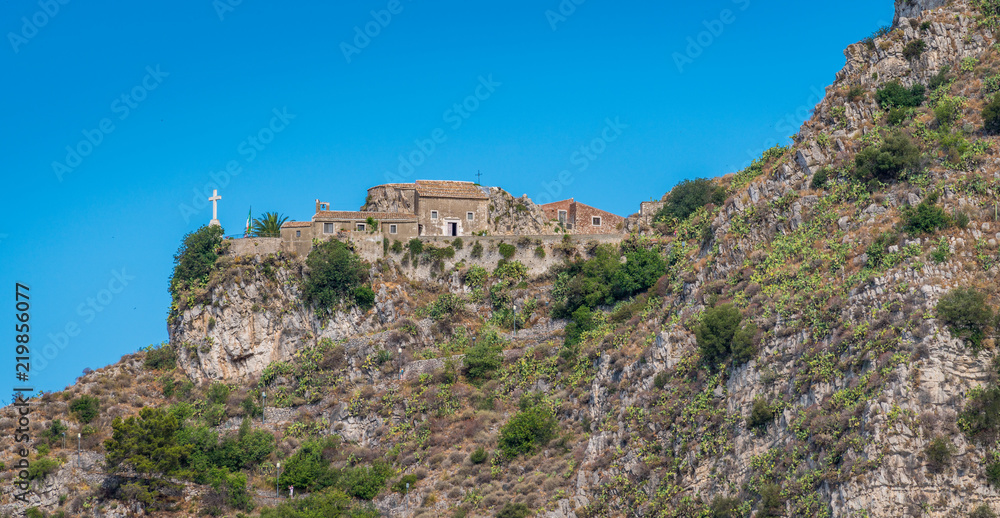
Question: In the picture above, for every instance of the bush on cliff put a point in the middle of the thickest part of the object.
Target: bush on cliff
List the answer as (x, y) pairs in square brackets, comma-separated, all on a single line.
[(722, 335), (888, 161), (965, 312), (688, 196), (335, 275), (195, 258)]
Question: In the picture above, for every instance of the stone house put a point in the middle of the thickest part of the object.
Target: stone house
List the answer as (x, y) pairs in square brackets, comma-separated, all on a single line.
[(298, 235), (580, 218), (442, 208)]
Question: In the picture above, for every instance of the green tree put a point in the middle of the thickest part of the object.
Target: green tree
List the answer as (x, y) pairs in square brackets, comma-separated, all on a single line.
[(640, 272), (331, 503), (335, 273), (268, 225), (991, 116), (147, 443), (965, 312), (86, 408), (722, 334), (484, 358), (512, 510), (926, 218), (895, 95), (534, 426), (195, 258), (688, 196), (889, 161)]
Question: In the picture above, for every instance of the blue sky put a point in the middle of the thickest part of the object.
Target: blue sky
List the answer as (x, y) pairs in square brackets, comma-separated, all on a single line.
[(155, 101)]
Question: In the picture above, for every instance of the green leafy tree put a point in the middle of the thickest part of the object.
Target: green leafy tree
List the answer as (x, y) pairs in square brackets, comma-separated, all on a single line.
[(335, 273), (86, 408), (331, 503), (512, 510), (722, 335), (965, 312), (926, 218), (532, 427), (147, 443), (195, 258), (268, 225), (895, 95), (889, 161), (484, 358), (688, 196), (640, 272)]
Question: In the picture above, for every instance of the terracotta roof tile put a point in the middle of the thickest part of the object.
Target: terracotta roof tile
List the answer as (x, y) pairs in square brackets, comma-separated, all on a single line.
[(381, 216), (447, 189), (297, 224)]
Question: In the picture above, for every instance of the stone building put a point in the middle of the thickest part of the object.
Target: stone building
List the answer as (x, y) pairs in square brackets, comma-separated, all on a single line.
[(442, 208), (580, 218), (298, 235)]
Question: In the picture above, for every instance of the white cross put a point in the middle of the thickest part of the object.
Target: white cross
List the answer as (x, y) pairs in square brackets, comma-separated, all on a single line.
[(215, 204)]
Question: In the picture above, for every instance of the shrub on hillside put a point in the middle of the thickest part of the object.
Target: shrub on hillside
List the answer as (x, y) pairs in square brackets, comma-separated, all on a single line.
[(771, 501), (724, 507), (965, 312), (640, 272), (484, 358), (980, 420), (688, 196), (983, 511), (889, 161), (195, 258), (948, 110), (914, 49), (478, 457), (42, 467), (583, 320), (335, 274), (722, 335), (895, 95), (534, 426), (761, 414), (926, 218), (991, 116), (446, 307), (512, 510), (85, 408), (820, 178), (507, 250), (161, 357), (331, 503), (938, 454), (993, 473), (603, 279)]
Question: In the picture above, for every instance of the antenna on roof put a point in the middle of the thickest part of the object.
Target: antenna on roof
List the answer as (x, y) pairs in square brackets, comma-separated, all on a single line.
[(479, 177)]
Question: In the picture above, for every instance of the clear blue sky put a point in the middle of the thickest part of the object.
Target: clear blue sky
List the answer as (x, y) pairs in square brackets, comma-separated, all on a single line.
[(173, 92)]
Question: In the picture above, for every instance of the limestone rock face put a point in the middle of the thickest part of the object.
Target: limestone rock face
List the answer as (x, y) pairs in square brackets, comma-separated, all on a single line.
[(913, 8), (516, 216)]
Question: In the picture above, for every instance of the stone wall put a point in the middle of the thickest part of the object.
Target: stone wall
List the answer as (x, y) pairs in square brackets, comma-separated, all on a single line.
[(254, 246), (451, 210)]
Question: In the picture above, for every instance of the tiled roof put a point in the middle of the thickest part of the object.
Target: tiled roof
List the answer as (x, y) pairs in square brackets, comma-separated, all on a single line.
[(381, 216), (297, 224), (394, 185), (445, 189)]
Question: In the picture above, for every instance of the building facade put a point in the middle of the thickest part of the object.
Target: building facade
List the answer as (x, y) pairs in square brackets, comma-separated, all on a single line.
[(579, 218)]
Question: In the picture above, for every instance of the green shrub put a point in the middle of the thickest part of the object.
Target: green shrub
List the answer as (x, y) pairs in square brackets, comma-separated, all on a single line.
[(855, 92), (511, 272), (820, 178), (540, 252), (926, 218), (479, 456), (55, 431), (942, 251), (889, 161), (365, 483), (364, 297), (761, 414), (660, 380), (476, 276), (583, 321), (335, 272), (397, 247), (948, 110), (965, 312), (507, 250), (484, 358), (640, 272), (894, 94), (771, 502), (940, 79), (991, 116), (914, 49), (34, 512), (161, 357), (42, 467), (689, 196), (980, 420), (405, 481), (511, 510), (195, 258), (231, 488), (925, 25), (897, 116), (331, 503), (724, 507), (938, 454), (722, 335), (85, 408), (477, 250), (993, 473), (416, 247), (983, 511), (446, 306), (532, 427), (218, 393), (457, 243)]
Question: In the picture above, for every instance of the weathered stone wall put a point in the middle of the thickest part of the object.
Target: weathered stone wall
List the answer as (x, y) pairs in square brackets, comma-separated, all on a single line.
[(255, 246), (451, 210)]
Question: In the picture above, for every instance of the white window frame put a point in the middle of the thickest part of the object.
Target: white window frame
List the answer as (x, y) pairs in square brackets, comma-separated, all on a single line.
[(434, 214), (595, 221), (392, 229), (360, 227), (471, 216), (328, 228)]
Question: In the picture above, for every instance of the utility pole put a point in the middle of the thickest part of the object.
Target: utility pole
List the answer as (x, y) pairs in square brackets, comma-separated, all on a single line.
[(78, 450), (263, 406), (400, 351), (515, 320), (277, 481)]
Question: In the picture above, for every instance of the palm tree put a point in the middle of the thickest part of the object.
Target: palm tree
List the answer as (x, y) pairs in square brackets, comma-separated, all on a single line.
[(268, 225)]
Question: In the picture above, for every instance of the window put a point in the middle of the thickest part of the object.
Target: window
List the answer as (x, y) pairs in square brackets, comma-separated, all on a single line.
[(434, 214), (298, 233), (328, 228), (562, 217), (360, 227), (392, 229), (470, 216), (596, 221)]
